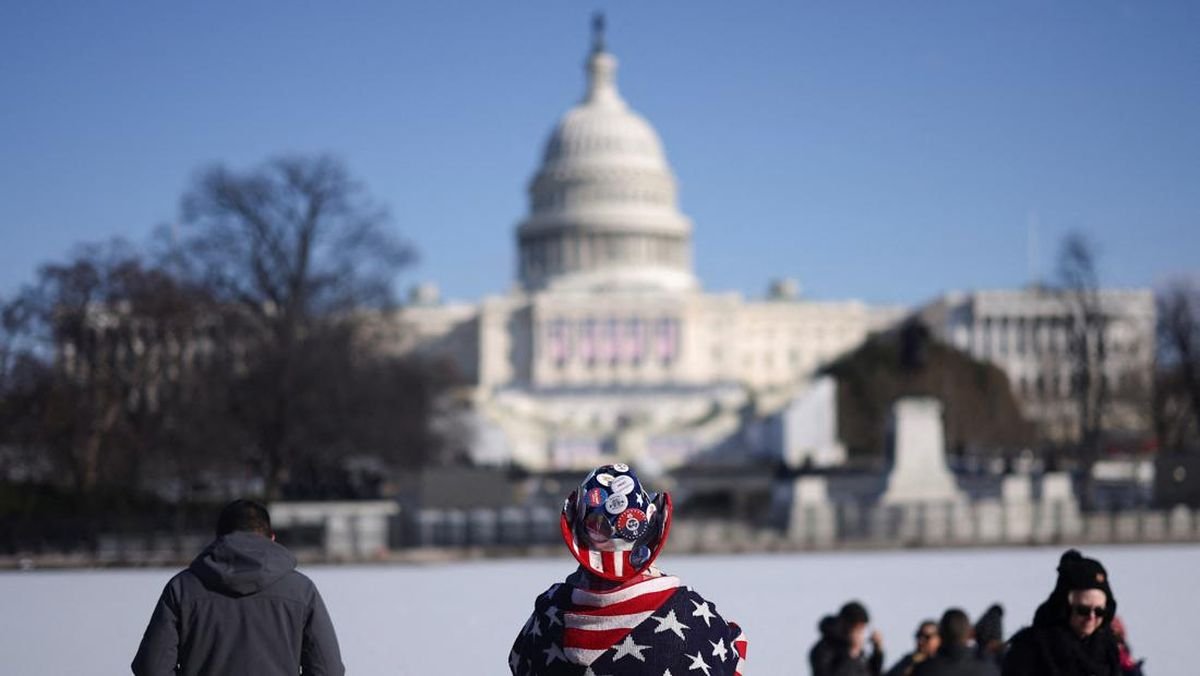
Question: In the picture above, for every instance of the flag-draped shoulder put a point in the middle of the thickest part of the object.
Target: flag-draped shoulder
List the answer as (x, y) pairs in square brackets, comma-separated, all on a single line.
[(654, 626)]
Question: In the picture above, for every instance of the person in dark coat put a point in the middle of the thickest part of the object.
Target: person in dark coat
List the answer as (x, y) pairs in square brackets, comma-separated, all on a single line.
[(1072, 629), (240, 608), (955, 657), (928, 641), (1129, 665), (842, 649), (989, 635)]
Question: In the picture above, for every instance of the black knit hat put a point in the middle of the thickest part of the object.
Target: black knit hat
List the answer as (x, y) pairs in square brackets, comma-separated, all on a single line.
[(1076, 573)]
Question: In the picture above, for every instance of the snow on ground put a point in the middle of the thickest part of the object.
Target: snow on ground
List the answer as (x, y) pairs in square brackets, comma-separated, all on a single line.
[(460, 619)]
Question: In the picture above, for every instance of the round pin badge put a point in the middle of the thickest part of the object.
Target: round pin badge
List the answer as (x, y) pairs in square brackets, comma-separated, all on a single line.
[(639, 555), (616, 503), (623, 484), (621, 467), (596, 497), (631, 524), (650, 510), (604, 479)]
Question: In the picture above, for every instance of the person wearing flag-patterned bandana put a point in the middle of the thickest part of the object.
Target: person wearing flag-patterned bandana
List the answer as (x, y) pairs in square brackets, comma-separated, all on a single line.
[(617, 613)]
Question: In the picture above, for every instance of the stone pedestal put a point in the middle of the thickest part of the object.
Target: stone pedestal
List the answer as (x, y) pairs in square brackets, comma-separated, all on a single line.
[(989, 521), (1016, 495), (1179, 523), (811, 520), (919, 474), (1058, 515)]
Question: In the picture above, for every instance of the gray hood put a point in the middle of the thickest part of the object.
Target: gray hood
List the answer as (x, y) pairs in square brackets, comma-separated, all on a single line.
[(242, 563)]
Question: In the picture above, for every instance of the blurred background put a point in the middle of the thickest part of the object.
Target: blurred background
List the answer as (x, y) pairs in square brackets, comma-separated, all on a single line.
[(835, 276)]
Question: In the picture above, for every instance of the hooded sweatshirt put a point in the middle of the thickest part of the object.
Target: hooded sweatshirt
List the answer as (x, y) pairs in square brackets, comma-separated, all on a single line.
[(240, 608), (651, 625)]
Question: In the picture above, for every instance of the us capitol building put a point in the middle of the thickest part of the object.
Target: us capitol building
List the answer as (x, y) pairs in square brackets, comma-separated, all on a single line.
[(608, 348)]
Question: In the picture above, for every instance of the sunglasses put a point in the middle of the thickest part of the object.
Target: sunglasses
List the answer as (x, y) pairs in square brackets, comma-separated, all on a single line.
[(1088, 611), (926, 636)]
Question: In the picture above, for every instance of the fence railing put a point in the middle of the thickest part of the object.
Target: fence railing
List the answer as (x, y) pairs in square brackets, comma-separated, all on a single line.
[(456, 532)]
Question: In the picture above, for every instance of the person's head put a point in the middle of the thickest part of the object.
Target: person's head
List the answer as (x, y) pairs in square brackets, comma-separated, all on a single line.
[(928, 638), (614, 527), (955, 628), (989, 630), (853, 620), (1085, 593), (244, 516)]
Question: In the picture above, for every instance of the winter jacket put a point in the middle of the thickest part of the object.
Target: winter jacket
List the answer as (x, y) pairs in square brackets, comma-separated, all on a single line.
[(240, 608), (1050, 648), (831, 657), (1056, 651), (651, 626), (956, 660), (906, 665)]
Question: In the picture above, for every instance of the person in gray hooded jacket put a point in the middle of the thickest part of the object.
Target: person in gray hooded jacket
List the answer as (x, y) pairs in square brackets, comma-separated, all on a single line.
[(240, 608)]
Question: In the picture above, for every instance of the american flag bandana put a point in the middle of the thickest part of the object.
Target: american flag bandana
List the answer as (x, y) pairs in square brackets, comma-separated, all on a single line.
[(656, 627)]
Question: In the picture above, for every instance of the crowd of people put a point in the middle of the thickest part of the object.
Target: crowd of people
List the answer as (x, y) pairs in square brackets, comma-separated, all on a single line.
[(1076, 631), (242, 608)]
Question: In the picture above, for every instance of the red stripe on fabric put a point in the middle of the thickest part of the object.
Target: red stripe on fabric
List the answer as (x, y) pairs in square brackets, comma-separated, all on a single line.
[(606, 559), (637, 604), (593, 640), (740, 647)]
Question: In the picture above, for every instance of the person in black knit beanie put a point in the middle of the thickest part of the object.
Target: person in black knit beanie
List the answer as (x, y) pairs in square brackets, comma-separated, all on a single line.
[(1072, 629)]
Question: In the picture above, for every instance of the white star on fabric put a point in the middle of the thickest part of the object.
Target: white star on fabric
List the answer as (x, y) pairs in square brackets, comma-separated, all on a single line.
[(698, 663), (670, 623), (667, 672), (550, 592), (554, 653), (639, 499), (628, 647), (702, 610), (535, 628), (589, 672), (514, 660), (550, 614), (719, 649)]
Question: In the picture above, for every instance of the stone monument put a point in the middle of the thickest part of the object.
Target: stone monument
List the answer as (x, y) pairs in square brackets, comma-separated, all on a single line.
[(919, 474)]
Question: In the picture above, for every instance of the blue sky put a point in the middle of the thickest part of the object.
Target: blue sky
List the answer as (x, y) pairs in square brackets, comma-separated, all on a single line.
[(878, 150)]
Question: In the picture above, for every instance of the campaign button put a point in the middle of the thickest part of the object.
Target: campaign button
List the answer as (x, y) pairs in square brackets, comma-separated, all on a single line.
[(623, 484), (604, 479), (616, 503), (621, 467), (596, 497), (631, 524), (639, 556)]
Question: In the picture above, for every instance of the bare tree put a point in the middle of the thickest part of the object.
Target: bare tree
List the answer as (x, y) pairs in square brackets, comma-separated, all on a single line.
[(96, 354), (295, 250), (1087, 329), (1177, 395)]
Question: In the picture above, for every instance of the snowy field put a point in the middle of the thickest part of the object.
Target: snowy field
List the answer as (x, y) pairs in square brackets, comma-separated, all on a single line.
[(461, 618)]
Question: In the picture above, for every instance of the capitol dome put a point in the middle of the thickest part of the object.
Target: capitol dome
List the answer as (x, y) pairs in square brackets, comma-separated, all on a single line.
[(603, 205)]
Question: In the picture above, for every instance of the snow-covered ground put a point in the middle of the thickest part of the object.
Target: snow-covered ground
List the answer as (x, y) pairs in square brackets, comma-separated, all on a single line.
[(461, 618)]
